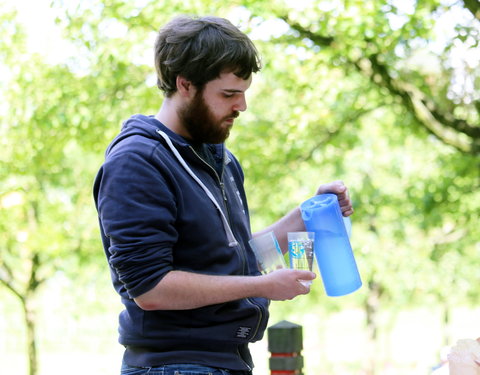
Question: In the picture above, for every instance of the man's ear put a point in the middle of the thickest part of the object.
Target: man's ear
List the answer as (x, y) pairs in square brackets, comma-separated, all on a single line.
[(185, 87)]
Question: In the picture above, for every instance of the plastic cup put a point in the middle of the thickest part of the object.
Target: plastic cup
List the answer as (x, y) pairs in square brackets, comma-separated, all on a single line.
[(268, 253), (300, 251)]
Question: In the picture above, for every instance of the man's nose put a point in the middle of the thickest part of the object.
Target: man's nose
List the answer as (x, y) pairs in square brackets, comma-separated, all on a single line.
[(241, 104)]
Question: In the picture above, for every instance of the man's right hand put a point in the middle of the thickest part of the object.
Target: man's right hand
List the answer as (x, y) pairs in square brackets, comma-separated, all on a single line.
[(285, 284)]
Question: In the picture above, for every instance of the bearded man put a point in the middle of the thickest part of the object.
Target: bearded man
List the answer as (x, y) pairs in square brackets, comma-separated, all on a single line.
[(174, 217)]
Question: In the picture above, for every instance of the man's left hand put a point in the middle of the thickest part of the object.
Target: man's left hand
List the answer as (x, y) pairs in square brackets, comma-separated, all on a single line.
[(340, 190)]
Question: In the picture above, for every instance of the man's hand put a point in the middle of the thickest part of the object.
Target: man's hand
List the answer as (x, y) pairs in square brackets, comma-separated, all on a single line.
[(292, 222), (340, 190), (285, 284)]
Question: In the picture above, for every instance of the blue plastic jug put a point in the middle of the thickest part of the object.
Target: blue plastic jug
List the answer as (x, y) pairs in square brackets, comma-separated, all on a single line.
[(322, 215)]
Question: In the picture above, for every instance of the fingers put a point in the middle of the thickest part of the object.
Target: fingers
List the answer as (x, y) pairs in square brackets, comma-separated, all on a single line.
[(288, 283), (339, 188), (305, 279), (305, 275), (346, 206), (335, 187), (341, 191)]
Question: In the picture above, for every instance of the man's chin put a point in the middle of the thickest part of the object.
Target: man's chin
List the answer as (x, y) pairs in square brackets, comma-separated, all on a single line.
[(222, 139), (219, 135)]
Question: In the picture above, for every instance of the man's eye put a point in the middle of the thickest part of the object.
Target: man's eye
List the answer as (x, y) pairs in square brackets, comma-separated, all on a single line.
[(225, 95)]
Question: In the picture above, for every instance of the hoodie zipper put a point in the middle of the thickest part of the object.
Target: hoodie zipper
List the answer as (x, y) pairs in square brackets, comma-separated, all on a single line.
[(225, 200), (220, 182), (243, 254), (245, 362)]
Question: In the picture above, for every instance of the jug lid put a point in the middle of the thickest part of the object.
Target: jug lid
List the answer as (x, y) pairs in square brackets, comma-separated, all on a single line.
[(319, 201)]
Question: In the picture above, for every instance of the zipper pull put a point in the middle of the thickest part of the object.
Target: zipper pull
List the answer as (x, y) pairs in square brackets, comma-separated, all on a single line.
[(222, 187)]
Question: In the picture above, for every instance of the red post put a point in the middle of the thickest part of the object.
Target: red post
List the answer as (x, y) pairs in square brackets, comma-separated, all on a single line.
[(285, 345)]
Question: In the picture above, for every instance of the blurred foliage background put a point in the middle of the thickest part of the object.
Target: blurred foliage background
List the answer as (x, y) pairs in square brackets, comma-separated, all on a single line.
[(383, 95)]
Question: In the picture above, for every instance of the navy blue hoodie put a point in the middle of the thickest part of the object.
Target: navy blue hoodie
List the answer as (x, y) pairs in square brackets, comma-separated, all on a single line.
[(162, 207)]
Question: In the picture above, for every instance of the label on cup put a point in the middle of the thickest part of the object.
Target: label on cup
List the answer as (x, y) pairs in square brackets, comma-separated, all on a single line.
[(300, 248)]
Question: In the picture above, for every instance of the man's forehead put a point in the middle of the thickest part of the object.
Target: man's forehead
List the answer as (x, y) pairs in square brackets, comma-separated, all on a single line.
[(231, 83)]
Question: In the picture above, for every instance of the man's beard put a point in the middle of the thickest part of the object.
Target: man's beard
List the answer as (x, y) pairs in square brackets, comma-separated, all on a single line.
[(200, 122)]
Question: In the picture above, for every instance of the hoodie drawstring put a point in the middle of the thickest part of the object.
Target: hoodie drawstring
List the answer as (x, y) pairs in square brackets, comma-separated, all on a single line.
[(228, 231)]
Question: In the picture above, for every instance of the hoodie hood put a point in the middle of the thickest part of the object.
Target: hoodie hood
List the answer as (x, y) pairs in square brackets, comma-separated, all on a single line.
[(148, 126), (145, 126)]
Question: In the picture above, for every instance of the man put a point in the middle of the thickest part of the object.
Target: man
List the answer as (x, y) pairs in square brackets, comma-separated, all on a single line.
[(174, 216)]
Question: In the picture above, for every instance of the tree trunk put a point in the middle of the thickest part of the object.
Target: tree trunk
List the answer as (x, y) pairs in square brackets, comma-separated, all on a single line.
[(372, 307), (29, 318), (446, 339)]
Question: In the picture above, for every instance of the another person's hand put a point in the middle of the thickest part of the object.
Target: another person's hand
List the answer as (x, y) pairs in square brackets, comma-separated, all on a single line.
[(478, 361), (340, 190), (286, 284)]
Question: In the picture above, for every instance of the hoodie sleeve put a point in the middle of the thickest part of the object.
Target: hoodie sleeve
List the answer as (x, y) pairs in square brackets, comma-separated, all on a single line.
[(137, 211)]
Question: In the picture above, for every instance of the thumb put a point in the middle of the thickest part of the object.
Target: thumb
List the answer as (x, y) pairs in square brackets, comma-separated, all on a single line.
[(306, 275), (335, 187)]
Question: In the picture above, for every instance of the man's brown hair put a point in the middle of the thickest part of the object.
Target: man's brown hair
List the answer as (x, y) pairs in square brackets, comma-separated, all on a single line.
[(200, 49)]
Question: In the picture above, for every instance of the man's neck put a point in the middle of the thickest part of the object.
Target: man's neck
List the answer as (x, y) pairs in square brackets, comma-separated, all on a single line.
[(168, 116)]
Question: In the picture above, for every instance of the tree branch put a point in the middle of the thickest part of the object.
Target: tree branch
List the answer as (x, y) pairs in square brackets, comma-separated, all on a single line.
[(473, 6), (10, 287), (319, 40), (455, 132), (355, 115)]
